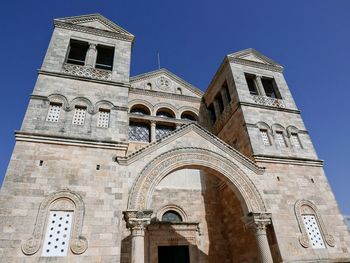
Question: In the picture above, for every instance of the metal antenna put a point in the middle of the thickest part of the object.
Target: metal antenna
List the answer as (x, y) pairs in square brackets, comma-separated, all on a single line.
[(158, 59)]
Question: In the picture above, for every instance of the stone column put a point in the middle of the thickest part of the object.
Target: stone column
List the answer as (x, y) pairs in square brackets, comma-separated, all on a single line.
[(260, 86), (258, 223), (137, 221), (91, 55), (153, 131)]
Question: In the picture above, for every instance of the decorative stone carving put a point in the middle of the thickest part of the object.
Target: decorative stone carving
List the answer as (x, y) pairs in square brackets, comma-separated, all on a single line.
[(61, 200), (88, 72), (267, 101), (137, 220), (164, 83), (307, 207), (158, 168)]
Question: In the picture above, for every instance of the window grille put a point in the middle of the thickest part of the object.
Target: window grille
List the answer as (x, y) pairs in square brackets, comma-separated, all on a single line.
[(79, 115), (280, 139), (313, 231), (171, 216), (57, 235), (54, 112), (265, 137), (163, 130), (139, 132), (103, 118), (295, 140)]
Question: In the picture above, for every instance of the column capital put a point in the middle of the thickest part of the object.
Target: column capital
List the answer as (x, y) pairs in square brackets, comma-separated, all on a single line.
[(258, 221), (153, 122), (92, 45), (137, 221)]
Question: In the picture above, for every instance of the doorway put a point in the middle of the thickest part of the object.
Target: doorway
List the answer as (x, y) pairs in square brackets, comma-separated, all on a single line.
[(173, 254)]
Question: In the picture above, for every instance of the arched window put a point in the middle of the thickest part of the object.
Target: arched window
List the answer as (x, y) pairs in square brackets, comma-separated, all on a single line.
[(179, 91), (188, 115), (140, 110), (171, 216), (165, 113), (313, 231), (148, 86), (59, 221)]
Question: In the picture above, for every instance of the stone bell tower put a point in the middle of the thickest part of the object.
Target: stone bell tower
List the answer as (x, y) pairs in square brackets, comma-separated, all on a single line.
[(82, 86), (258, 96), (252, 109)]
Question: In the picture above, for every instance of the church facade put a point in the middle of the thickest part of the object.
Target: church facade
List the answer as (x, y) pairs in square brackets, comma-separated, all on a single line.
[(149, 169)]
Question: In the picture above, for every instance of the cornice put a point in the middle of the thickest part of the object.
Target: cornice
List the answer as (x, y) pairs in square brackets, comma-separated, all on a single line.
[(287, 160), (255, 64), (164, 95), (268, 107), (127, 160), (94, 31), (159, 72), (68, 76), (72, 141)]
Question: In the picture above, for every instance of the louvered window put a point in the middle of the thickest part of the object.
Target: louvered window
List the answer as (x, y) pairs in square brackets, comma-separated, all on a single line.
[(103, 118), (57, 234), (265, 137), (280, 139), (79, 115), (54, 112), (313, 231)]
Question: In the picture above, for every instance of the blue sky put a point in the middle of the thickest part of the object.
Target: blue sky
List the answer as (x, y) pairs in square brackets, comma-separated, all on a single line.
[(310, 38)]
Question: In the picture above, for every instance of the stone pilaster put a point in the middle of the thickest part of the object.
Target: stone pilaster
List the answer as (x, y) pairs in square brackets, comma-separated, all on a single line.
[(137, 221), (260, 86), (91, 55), (258, 223)]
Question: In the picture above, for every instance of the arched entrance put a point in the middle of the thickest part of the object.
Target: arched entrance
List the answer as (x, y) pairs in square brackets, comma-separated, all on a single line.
[(139, 214)]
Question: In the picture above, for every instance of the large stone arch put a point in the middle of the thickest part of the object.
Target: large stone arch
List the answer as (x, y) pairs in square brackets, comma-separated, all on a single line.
[(142, 190)]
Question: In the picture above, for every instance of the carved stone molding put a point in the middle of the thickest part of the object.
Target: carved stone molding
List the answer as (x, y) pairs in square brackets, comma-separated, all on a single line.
[(158, 168), (61, 200), (137, 221), (303, 207), (85, 71)]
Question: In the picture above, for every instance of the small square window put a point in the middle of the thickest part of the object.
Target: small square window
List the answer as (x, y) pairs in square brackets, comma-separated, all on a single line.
[(280, 139), (54, 112), (56, 242), (265, 137), (77, 52), (295, 140), (103, 118), (79, 115), (105, 57), (251, 84), (270, 88)]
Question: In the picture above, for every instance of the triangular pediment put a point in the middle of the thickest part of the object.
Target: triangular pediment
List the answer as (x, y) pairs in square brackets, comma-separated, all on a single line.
[(253, 57), (190, 135), (163, 80), (95, 21)]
